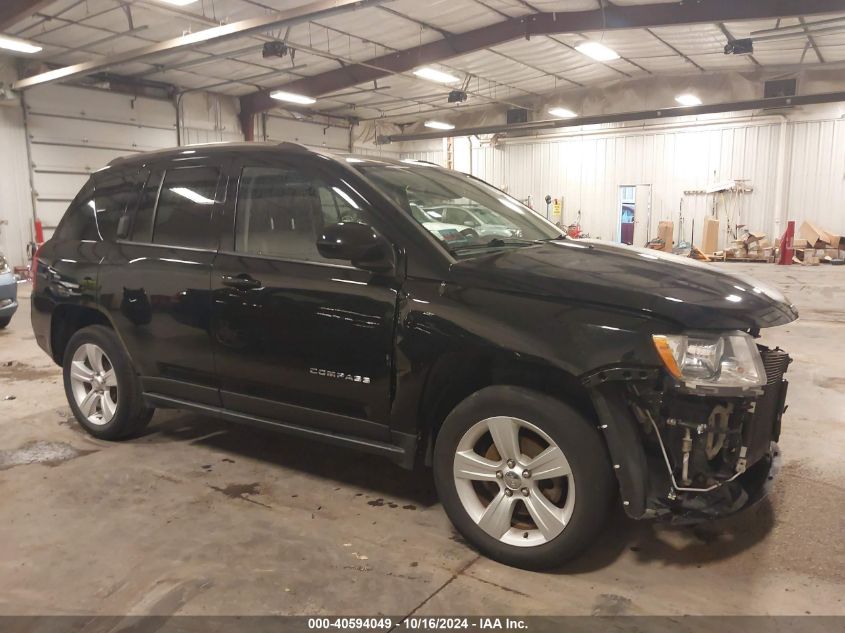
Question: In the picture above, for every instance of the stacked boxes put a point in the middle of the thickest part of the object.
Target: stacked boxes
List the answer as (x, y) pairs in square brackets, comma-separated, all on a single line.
[(814, 245)]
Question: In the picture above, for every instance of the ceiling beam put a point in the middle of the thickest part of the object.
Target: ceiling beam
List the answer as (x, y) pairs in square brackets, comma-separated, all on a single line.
[(14, 11), (304, 13), (610, 18), (663, 113)]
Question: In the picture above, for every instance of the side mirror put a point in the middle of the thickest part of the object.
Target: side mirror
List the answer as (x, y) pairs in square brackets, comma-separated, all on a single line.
[(358, 243)]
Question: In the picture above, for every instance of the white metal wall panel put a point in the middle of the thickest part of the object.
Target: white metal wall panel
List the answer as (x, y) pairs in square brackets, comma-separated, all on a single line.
[(15, 201), (437, 157), (587, 171), (312, 134), (74, 131), (817, 177)]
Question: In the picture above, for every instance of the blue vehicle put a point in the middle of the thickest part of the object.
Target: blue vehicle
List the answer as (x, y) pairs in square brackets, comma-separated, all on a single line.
[(8, 293)]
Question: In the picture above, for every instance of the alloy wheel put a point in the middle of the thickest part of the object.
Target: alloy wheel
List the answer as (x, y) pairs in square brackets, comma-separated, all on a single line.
[(94, 384), (514, 481)]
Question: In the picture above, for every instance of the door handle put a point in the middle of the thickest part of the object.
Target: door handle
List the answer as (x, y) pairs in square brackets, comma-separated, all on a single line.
[(242, 281)]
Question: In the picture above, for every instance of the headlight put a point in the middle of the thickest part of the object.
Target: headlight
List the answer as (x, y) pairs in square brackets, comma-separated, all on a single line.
[(698, 359)]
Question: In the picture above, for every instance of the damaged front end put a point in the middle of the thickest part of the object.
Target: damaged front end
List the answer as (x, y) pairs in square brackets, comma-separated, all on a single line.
[(689, 449)]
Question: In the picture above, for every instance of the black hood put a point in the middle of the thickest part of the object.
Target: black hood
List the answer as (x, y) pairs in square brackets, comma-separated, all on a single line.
[(693, 294)]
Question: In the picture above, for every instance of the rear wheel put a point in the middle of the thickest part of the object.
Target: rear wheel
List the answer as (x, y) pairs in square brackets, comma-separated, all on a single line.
[(524, 477), (101, 386)]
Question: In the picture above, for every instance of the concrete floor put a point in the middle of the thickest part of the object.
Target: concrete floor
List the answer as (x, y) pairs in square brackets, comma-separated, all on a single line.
[(198, 517)]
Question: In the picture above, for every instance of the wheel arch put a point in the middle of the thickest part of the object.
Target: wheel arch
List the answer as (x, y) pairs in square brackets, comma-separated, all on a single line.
[(66, 320), (455, 377)]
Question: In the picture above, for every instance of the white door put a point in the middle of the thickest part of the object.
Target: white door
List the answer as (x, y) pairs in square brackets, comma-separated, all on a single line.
[(642, 216), (75, 131)]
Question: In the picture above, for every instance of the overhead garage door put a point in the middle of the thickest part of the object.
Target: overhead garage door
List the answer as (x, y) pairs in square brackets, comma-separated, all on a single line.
[(312, 134), (75, 131)]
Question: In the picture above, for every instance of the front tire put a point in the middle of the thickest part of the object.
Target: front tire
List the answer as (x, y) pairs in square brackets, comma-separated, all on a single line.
[(524, 477), (4, 322), (102, 388)]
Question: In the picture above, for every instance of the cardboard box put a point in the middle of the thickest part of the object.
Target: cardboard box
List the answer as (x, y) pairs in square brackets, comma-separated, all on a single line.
[(806, 256), (815, 236), (665, 231), (751, 238), (710, 235)]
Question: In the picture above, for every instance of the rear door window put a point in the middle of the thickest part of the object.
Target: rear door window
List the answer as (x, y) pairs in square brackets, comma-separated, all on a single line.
[(185, 204)]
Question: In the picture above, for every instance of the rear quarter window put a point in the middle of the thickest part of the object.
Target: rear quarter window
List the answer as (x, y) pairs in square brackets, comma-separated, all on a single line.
[(96, 211), (114, 195), (79, 222)]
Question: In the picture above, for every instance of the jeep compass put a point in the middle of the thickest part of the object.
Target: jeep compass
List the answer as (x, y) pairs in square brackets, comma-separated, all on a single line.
[(543, 378)]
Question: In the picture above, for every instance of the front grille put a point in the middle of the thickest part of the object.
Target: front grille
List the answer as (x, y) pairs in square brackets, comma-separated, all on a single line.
[(775, 362)]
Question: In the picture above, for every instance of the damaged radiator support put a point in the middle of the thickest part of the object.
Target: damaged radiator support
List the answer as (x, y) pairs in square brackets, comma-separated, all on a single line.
[(707, 441), (675, 486)]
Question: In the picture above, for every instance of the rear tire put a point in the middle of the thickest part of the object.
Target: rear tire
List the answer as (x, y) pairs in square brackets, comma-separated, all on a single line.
[(524, 477), (4, 322), (101, 385)]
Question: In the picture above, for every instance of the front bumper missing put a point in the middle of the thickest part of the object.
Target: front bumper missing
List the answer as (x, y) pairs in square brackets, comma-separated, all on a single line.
[(731, 497), (651, 474)]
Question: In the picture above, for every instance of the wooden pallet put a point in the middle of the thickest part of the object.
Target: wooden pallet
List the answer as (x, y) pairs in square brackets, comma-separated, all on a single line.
[(748, 260)]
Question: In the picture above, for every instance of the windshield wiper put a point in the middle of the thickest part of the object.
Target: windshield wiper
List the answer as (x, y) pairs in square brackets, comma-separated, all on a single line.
[(498, 242)]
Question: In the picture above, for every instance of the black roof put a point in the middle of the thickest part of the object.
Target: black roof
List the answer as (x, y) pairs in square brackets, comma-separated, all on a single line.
[(207, 148), (141, 158)]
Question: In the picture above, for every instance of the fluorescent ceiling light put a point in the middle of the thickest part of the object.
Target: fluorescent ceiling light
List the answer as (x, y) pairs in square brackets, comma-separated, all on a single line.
[(597, 51), (432, 74), (563, 113), (688, 100), (292, 97), (19, 46), (439, 125), (178, 3), (191, 195)]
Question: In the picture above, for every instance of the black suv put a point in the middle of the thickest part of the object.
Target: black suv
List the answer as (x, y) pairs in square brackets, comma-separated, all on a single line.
[(420, 314)]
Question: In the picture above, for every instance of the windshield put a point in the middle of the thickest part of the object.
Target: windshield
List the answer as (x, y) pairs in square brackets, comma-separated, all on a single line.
[(466, 215)]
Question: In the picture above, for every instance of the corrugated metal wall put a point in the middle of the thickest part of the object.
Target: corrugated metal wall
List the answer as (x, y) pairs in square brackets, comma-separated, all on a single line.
[(817, 174), (429, 151), (15, 200), (587, 169)]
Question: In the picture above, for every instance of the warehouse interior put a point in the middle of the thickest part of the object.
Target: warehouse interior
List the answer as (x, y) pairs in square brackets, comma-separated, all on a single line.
[(711, 129)]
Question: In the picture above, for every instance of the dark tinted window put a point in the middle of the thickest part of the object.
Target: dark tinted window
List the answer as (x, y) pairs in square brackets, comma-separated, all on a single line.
[(183, 215), (142, 225), (281, 211), (113, 195), (79, 222)]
